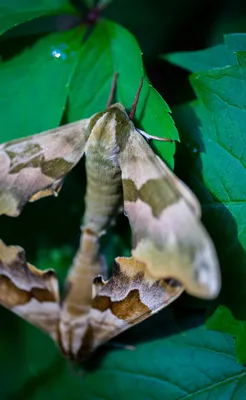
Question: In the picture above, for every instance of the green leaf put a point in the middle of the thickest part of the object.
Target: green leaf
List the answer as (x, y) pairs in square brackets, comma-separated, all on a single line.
[(224, 321), (15, 12), (19, 340), (218, 56), (112, 49), (189, 364), (236, 41), (197, 364), (222, 55), (214, 125), (202, 60), (89, 3), (241, 57), (35, 85), (60, 259)]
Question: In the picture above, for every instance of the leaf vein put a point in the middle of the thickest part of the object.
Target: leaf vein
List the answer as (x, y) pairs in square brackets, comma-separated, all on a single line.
[(222, 382), (148, 376)]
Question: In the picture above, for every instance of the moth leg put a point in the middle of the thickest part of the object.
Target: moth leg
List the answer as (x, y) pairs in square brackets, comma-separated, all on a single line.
[(151, 137)]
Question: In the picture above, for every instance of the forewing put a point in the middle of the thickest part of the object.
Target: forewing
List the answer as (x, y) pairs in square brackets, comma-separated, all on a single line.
[(127, 298), (164, 215), (28, 292), (35, 166)]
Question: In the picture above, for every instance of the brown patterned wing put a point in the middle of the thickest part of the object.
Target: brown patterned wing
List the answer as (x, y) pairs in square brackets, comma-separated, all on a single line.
[(28, 292), (164, 215), (35, 166), (127, 298)]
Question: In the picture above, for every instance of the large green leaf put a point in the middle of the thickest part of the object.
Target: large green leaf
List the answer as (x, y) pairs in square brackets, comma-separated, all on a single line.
[(218, 56), (202, 60), (214, 125), (112, 49), (180, 364), (35, 85), (15, 12), (236, 41), (197, 364), (224, 321), (222, 55)]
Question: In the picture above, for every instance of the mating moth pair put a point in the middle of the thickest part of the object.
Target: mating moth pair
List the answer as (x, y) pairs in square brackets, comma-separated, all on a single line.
[(171, 249)]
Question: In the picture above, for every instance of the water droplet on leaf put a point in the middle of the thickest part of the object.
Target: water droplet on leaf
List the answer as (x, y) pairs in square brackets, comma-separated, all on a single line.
[(61, 51)]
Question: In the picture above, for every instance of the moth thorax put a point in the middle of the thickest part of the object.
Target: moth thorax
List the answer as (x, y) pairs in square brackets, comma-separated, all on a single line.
[(103, 192)]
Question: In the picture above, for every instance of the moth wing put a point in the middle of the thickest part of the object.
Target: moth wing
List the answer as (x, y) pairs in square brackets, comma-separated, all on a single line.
[(130, 296), (28, 292), (35, 166), (164, 215)]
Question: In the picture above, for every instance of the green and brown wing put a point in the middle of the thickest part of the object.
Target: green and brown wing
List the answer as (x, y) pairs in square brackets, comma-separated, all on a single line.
[(164, 215), (28, 292), (130, 296), (35, 166)]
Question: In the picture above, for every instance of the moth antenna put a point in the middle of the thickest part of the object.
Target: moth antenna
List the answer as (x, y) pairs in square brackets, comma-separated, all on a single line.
[(133, 109), (112, 91)]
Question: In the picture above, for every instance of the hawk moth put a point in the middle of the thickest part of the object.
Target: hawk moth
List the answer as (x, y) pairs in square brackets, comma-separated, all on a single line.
[(171, 249)]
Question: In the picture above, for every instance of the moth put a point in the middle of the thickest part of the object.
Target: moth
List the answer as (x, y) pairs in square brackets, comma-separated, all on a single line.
[(171, 249)]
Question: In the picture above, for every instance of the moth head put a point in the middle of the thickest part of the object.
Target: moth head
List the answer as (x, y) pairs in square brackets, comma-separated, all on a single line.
[(119, 111), (117, 106), (113, 121)]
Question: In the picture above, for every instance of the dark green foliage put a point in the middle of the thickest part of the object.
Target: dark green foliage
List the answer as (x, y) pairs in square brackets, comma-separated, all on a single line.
[(215, 124)]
